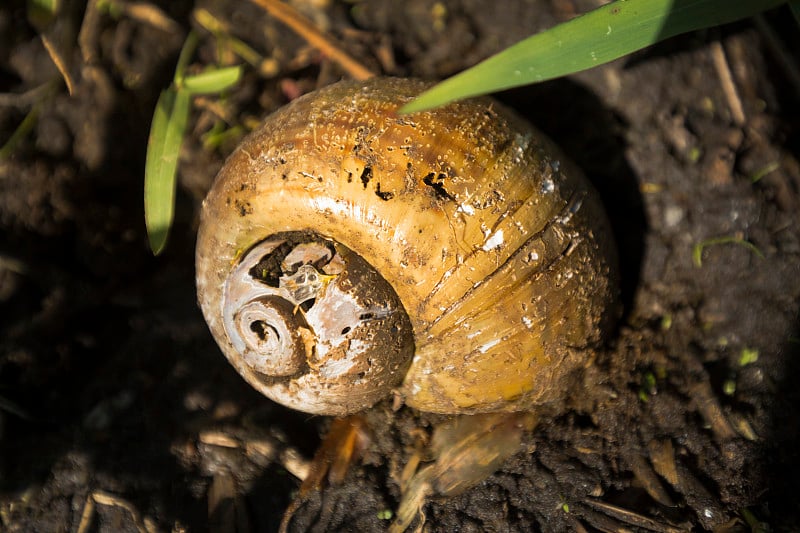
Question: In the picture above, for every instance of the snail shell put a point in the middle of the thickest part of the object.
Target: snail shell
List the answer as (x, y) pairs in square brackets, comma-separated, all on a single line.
[(346, 252)]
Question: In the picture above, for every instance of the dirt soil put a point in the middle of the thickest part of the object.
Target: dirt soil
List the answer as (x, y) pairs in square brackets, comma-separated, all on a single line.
[(119, 413)]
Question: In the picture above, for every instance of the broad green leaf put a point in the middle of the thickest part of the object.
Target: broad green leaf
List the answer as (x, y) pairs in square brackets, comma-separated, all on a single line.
[(600, 36), (212, 81), (163, 147)]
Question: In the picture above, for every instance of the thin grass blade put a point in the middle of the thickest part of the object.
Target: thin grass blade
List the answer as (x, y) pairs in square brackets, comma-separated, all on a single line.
[(593, 39), (163, 147), (188, 48), (794, 5), (22, 130), (212, 81)]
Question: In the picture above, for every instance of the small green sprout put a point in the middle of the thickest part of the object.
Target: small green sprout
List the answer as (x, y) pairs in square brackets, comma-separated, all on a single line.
[(220, 134), (697, 251), (748, 356), (759, 174), (267, 67), (385, 514), (166, 135), (113, 9), (648, 387), (729, 387)]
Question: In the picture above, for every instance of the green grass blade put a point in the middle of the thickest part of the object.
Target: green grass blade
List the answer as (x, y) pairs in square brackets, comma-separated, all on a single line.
[(183, 58), (163, 147), (794, 5), (212, 81), (597, 37), (24, 128)]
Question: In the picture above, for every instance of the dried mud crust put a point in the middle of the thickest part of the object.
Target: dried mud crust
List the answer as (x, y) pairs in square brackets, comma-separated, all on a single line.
[(113, 393)]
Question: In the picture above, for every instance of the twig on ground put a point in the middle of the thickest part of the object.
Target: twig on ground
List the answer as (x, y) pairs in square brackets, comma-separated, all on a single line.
[(306, 29), (631, 518), (104, 498), (709, 408), (60, 63), (728, 85), (150, 14)]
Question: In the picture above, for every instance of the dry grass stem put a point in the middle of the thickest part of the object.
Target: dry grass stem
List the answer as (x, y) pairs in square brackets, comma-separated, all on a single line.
[(708, 406), (631, 518), (152, 15), (728, 85), (60, 63), (104, 498), (306, 29)]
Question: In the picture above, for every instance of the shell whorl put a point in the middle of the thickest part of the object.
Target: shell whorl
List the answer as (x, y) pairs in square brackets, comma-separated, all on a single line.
[(497, 250), (315, 324)]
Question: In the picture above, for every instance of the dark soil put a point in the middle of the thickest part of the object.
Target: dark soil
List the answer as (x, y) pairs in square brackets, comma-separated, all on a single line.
[(113, 393)]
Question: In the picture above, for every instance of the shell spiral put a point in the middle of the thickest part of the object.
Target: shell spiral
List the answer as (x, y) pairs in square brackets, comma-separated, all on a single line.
[(453, 256)]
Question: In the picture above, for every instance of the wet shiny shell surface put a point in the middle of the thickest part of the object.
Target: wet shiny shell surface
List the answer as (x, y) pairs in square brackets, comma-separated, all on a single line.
[(497, 248)]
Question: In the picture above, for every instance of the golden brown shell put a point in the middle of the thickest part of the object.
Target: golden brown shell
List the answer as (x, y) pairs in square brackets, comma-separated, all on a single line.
[(498, 250)]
